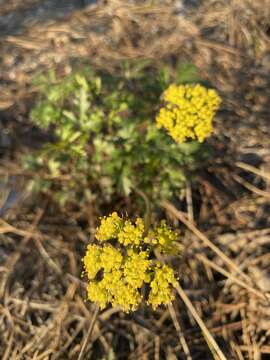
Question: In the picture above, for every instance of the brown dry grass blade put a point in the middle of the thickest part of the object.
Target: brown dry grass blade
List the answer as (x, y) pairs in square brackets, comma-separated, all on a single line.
[(89, 332), (213, 346), (180, 216)]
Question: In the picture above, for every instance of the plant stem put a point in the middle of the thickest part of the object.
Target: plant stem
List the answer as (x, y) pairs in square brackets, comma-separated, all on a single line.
[(89, 333), (147, 216)]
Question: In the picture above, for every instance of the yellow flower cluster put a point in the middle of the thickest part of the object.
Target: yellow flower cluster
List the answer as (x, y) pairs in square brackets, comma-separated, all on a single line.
[(109, 227), (163, 238), (114, 290), (131, 234), (117, 272), (97, 257), (136, 268), (188, 112), (161, 286)]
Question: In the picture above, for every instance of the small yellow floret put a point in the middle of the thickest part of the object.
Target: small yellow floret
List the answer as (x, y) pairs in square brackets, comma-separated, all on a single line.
[(136, 268), (91, 261), (110, 258), (163, 238), (131, 234), (101, 257), (161, 286), (127, 297), (109, 227), (119, 292), (188, 112), (97, 293)]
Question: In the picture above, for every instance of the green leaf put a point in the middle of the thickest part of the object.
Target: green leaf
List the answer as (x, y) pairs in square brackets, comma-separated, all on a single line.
[(187, 73)]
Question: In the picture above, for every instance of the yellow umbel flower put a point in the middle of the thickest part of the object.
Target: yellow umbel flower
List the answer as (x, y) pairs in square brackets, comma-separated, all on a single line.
[(98, 294), (132, 234), (119, 292), (91, 261), (188, 112), (109, 227), (163, 238), (161, 285), (98, 258), (136, 268), (110, 258), (119, 270)]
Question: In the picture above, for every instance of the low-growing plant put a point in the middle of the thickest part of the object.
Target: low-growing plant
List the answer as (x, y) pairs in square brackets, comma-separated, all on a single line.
[(140, 130), (107, 133)]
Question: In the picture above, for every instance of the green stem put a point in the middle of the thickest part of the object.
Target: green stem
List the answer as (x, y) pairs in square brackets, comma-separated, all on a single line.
[(147, 215)]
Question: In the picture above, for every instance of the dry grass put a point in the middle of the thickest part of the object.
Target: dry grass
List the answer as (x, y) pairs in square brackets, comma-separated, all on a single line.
[(223, 310)]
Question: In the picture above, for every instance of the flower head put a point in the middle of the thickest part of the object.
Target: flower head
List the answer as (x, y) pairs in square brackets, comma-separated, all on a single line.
[(161, 285), (110, 258), (118, 271), (109, 227), (131, 234), (92, 263), (188, 112), (136, 268), (163, 238)]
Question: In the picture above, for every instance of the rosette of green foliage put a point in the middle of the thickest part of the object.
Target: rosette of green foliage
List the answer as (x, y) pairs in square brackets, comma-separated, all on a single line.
[(105, 140)]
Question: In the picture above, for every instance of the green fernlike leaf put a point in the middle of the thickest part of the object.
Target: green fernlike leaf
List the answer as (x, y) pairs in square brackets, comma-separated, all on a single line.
[(187, 73)]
